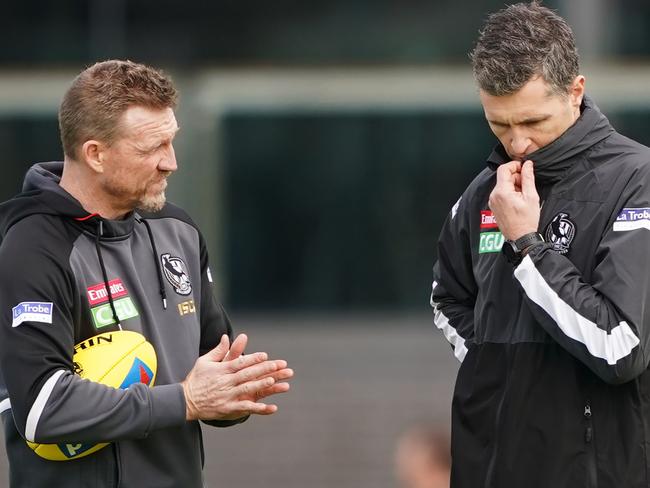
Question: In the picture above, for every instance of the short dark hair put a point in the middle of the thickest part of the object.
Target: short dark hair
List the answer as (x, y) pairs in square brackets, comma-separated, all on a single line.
[(99, 96), (521, 42)]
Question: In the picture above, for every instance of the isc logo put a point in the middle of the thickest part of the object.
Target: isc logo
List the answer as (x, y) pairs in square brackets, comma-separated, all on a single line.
[(186, 307)]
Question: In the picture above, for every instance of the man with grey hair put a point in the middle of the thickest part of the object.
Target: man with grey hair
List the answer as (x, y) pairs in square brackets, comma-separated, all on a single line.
[(542, 280), (92, 247)]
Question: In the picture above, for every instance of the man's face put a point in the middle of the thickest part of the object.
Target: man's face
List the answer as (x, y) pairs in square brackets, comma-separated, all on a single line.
[(532, 117), (137, 164)]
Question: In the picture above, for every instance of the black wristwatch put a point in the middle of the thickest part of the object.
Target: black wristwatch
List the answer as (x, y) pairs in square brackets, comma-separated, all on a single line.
[(514, 250)]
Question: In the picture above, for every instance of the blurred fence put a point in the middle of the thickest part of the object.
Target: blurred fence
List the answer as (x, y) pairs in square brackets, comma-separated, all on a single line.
[(315, 189)]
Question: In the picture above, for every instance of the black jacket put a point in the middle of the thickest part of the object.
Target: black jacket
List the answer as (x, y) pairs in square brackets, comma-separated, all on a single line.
[(55, 254), (553, 390)]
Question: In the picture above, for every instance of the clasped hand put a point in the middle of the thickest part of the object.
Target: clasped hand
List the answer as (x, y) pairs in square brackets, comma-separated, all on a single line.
[(514, 200), (226, 385)]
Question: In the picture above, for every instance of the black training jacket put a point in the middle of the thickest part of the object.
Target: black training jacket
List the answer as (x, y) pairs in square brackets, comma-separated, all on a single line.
[(56, 264), (553, 390)]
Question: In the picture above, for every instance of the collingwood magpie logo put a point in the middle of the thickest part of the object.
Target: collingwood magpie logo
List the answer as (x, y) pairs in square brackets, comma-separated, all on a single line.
[(560, 233), (175, 271)]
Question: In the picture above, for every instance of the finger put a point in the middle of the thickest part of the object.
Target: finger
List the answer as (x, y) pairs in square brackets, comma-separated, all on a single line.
[(513, 166), (510, 168), (219, 352), (517, 182), (243, 362), (506, 173), (252, 388), (249, 407), (258, 371), (237, 348), (283, 374), (273, 390), (528, 180)]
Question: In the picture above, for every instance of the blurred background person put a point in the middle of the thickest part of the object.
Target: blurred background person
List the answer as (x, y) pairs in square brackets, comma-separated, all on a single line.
[(422, 457)]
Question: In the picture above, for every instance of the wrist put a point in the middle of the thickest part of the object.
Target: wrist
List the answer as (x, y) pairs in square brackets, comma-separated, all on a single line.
[(515, 236), (189, 405), (515, 250)]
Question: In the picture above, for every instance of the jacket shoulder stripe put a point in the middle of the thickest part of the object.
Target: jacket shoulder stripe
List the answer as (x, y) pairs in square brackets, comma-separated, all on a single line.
[(609, 346), (5, 405), (39, 404), (441, 321)]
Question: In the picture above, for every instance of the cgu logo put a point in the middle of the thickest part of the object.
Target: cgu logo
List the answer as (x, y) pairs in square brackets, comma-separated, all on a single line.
[(490, 242), (103, 315)]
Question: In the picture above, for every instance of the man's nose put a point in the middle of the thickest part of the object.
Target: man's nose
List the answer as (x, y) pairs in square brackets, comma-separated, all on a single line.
[(519, 145), (168, 162)]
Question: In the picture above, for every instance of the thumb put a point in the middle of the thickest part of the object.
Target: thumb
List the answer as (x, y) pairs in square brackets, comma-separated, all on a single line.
[(528, 180), (218, 353)]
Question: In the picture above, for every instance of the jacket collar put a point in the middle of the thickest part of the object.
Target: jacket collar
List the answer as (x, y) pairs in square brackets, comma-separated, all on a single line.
[(553, 160), (43, 194)]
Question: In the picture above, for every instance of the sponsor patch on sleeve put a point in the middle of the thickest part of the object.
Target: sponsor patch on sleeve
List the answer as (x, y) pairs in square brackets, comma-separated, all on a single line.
[(632, 219), (32, 312)]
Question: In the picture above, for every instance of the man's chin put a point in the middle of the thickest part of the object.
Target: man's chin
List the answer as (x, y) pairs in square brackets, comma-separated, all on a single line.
[(154, 204)]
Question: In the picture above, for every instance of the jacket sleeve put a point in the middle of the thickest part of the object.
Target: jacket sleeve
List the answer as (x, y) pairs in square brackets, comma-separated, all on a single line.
[(214, 321), (38, 309), (603, 321), (454, 289)]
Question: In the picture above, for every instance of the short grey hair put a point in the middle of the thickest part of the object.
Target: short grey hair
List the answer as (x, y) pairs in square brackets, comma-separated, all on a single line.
[(521, 42), (99, 96)]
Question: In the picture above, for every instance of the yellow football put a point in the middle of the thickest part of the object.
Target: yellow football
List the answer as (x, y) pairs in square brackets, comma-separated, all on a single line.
[(118, 359)]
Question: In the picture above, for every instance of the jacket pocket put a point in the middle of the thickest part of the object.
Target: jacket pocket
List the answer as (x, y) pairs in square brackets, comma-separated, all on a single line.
[(117, 471)]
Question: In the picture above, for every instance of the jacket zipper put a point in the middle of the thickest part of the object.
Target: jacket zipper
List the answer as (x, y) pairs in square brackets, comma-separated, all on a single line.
[(592, 477)]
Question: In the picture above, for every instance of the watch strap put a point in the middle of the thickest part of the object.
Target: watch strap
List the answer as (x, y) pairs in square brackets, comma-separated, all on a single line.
[(528, 240)]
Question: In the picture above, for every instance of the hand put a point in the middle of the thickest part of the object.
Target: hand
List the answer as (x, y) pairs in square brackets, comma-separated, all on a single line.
[(514, 200), (224, 385)]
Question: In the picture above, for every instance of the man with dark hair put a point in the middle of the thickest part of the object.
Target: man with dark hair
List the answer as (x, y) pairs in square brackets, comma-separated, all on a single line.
[(541, 283), (90, 247)]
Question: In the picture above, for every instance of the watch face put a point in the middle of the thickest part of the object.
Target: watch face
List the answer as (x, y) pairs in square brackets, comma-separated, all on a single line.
[(511, 252)]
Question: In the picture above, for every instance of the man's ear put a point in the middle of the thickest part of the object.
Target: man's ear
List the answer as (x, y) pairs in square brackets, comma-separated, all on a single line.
[(93, 155), (577, 91)]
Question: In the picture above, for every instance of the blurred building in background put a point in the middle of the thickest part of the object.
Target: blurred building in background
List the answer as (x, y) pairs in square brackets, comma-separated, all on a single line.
[(322, 145)]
